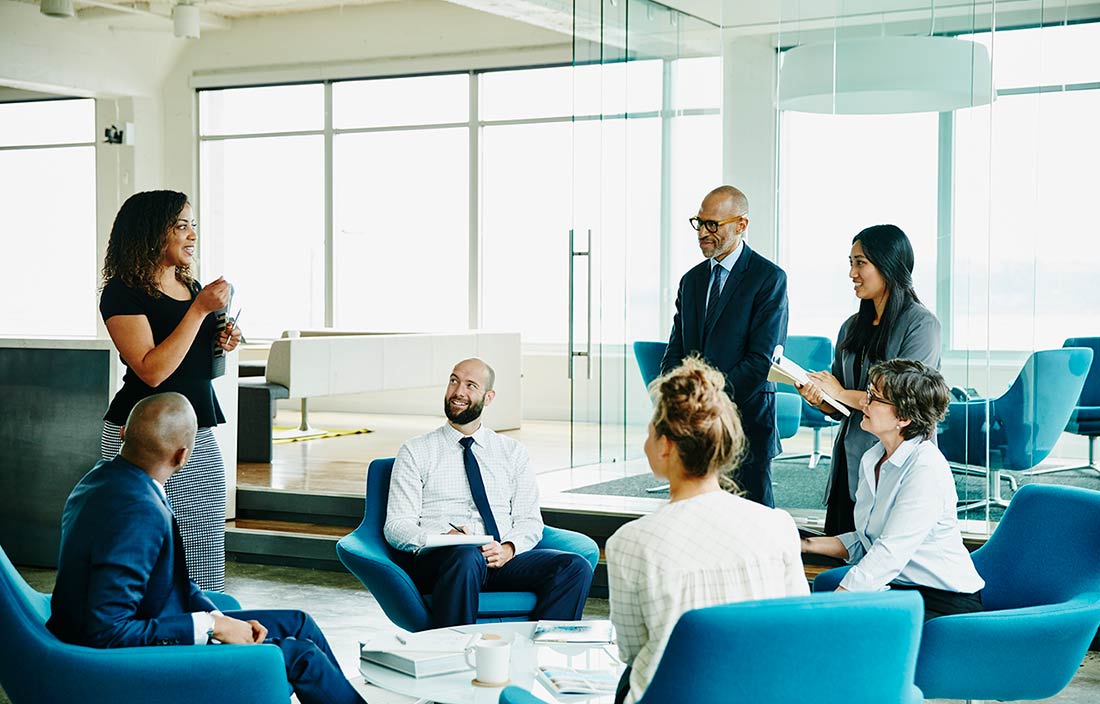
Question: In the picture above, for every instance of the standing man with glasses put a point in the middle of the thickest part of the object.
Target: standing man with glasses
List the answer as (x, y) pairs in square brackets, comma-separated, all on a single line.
[(731, 309), (464, 478)]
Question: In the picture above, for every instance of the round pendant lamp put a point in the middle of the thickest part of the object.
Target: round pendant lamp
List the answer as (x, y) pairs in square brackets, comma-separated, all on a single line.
[(56, 8), (885, 75)]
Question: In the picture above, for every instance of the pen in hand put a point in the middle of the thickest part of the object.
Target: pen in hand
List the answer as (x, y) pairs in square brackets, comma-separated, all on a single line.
[(460, 530)]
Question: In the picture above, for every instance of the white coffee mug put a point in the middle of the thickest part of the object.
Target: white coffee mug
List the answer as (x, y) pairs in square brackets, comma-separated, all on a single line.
[(490, 656)]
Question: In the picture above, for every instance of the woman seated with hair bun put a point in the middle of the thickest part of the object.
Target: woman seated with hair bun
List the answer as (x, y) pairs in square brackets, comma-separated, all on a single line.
[(907, 531), (707, 546)]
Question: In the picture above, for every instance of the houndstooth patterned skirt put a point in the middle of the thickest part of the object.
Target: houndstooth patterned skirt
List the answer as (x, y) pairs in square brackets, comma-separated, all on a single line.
[(197, 496)]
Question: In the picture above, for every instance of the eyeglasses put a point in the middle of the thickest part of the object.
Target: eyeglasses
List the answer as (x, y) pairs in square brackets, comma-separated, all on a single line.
[(872, 397), (712, 225)]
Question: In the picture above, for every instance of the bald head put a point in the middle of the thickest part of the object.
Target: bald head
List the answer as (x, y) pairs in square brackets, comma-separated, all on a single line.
[(160, 433), (730, 200), (475, 366)]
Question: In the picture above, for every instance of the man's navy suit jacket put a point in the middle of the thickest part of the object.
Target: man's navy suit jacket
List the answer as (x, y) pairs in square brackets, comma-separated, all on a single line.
[(738, 337), (122, 578)]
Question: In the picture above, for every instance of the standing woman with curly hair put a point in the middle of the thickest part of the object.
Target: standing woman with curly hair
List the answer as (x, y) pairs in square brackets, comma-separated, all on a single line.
[(161, 321), (707, 546)]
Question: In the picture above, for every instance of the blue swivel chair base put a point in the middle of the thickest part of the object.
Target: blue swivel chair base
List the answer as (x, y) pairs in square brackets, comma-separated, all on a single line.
[(36, 667), (366, 554), (1041, 599), (771, 652)]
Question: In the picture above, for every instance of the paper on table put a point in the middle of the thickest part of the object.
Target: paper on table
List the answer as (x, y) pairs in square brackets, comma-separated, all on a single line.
[(446, 540), (787, 371), (441, 641)]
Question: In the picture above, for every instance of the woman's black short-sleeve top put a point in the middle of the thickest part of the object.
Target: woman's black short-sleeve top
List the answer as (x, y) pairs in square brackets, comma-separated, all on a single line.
[(192, 376)]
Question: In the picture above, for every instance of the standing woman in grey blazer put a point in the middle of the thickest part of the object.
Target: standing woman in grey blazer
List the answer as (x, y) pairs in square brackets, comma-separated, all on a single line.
[(891, 324)]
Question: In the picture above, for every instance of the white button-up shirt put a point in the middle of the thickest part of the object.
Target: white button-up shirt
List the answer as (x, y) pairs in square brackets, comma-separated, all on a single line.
[(429, 490), (711, 549), (907, 527)]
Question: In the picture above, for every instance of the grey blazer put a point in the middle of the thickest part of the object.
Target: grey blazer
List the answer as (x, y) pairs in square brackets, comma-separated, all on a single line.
[(914, 335)]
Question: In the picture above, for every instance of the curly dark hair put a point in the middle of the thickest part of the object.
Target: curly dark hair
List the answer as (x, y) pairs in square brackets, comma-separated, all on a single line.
[(918, 392), (138, 238), (693, 410)]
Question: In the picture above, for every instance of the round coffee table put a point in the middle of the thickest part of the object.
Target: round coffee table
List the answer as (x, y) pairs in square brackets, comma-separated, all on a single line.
[(457, 687)]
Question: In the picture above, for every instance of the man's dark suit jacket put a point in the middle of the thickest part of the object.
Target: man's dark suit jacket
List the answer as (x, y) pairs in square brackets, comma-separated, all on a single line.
[(121, 578), (738, 337)]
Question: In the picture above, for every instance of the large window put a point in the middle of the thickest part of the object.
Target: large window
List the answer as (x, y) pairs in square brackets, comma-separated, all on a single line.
[(48, 215), (388, 248), (1024, 259), (842, 173), (262, 200), (996, 199), (401, 203)]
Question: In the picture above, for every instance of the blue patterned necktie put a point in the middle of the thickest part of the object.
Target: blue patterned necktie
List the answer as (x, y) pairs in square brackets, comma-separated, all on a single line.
[(715, 288), (477, 487)]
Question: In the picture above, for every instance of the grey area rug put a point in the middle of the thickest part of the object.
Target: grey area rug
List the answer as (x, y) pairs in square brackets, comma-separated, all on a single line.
[(797, 486)]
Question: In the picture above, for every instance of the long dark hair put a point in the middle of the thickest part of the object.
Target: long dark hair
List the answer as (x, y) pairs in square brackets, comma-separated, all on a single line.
[(887, 247), (138, 238)]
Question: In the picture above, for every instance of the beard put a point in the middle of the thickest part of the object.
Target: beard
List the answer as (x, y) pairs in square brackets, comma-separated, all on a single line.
[(469, 415)]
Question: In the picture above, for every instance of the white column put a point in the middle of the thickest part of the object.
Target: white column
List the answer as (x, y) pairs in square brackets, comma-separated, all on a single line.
[(749, 131)]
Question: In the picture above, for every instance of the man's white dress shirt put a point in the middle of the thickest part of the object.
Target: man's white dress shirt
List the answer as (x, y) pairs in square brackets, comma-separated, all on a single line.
[(429, 490), (907, 528), (711, 549)]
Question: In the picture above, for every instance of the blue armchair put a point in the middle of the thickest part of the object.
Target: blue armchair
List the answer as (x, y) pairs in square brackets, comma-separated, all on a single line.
[(813, 353), (756, 651), (381, 568), (1022, 425), (37, 667), (1041, 598), (649, 355), (1085, 419)]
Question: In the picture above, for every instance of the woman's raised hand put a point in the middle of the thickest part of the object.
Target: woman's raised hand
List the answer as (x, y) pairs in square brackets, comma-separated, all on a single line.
[(827, 383), (214, 296), (811, 393)]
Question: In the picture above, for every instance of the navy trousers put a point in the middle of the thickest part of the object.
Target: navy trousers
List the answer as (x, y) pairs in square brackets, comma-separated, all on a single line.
[(311, 667), (754, 475), (455, 576)]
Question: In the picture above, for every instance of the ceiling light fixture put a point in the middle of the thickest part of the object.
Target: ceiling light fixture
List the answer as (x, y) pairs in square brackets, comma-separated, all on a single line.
[(185, 21), (57, 8), (885, 75)]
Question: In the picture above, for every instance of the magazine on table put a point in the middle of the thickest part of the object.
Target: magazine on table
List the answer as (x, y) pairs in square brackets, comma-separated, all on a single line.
[(569, 681), (574, 632)]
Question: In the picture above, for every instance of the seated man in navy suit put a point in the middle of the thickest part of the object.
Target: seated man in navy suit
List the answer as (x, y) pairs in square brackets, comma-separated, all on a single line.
[(122, 580), (465, 478)]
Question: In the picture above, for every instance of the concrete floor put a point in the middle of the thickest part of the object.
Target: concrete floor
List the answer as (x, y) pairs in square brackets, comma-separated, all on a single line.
[(346, 611)]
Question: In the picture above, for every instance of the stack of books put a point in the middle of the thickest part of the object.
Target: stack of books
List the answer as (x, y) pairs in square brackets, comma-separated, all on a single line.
[(419, 654)]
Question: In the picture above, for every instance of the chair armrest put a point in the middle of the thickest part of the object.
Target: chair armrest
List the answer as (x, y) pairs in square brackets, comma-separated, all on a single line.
[(385, 579), (243, 674), (516, 695), (570, 541), (1025, 653), (223, 601)]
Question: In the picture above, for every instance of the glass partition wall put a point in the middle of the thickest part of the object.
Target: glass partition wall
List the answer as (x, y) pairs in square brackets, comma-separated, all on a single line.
[(645, 135), (968, 126)]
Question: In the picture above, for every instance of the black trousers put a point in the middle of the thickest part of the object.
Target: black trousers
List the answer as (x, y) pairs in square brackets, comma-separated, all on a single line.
[(455, 576), (938, 602)]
